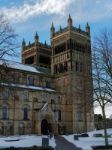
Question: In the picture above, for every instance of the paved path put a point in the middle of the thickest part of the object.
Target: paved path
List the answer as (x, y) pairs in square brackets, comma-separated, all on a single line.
[(63, 144)]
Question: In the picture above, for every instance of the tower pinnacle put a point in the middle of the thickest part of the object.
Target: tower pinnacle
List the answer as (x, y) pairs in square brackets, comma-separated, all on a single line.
[(88, 29), (69, 21), (36, 39), (36, 36), (23, 44), (52, 30)]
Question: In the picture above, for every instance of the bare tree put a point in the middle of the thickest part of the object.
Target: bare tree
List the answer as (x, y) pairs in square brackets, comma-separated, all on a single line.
[(8, 49), (7, 38), (8, 45), (102, 73)]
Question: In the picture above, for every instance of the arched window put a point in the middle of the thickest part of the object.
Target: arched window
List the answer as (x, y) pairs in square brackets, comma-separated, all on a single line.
[(59, 99), (30, 80), (5, 94), (59, 115), (65, 66), (60, 68), (79, 113), (55, 69), (47, 84), (25, 95), (77, 66), (25, 113), (52, 103), (5, 112)]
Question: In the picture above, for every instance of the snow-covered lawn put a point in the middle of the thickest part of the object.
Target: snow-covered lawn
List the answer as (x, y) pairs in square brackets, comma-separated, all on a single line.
[(86, 142), (24, 141)]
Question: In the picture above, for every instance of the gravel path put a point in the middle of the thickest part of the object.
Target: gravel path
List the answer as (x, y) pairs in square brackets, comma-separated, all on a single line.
[(63, 144)]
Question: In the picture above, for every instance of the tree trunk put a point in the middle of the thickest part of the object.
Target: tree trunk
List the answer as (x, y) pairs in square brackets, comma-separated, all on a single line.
[(105, 127)]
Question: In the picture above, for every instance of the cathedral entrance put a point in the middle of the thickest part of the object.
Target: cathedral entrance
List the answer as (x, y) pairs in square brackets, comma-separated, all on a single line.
[(44, 127)]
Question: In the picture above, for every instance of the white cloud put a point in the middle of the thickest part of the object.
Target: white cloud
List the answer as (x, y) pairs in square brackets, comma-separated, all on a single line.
[(27, 10), (108, 110), (91, 10), (81, 10)]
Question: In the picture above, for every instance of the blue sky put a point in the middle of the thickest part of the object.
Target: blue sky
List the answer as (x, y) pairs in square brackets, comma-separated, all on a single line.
[(29, 16)]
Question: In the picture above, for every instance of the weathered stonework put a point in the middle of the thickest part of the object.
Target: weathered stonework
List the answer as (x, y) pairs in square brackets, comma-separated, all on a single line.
[(57, 89)]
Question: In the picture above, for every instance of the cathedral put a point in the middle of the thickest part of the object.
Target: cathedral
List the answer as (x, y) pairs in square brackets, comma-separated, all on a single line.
[(51, 90)]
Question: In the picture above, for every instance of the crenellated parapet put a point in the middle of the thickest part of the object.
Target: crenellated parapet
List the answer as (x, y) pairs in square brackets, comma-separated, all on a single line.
[(70, 27), (36, 53), (28, 46), (35, 44), (32, 45), (75, 29)]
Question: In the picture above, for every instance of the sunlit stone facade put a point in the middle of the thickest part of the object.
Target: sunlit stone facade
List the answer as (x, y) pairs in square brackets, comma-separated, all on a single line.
[(51, 91)]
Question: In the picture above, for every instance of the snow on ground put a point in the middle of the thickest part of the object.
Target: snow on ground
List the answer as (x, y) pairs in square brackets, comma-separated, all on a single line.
[(86, 142), (24, 141)]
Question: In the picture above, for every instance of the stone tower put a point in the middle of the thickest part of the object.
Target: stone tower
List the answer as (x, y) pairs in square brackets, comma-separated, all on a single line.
[(71, 68), (36, 53)]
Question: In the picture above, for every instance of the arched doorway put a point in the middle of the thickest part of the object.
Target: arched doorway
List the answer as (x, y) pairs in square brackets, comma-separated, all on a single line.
[(44, 127), (48, 124)]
